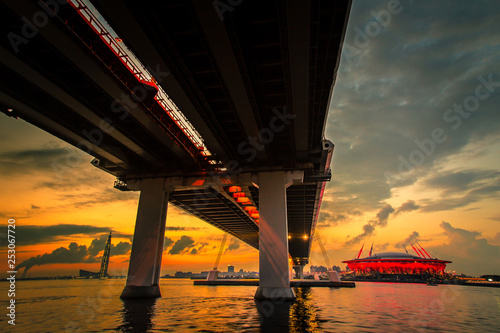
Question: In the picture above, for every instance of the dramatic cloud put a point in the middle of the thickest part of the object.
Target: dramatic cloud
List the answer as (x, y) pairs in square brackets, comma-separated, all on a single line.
[(98, 245), (406, 207), (394, 88), (199, 248), (182, 245), (90, 198), (21, 161), (461, 189), (368, 230), (470, 252), (37, 234), (75, 254), (234, 245), (327, 218), (381, 220), (411, 239), (378, 248), (460, 181), (120, 248), (495, 218), (383, 216), (166, 243), (334, 212), (401, 119), (496, 240)]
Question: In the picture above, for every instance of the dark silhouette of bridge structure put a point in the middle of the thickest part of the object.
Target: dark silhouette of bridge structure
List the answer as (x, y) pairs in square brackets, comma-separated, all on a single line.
[(221, 112)]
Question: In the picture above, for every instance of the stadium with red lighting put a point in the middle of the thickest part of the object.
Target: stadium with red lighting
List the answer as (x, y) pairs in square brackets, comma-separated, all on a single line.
[(397, 263)]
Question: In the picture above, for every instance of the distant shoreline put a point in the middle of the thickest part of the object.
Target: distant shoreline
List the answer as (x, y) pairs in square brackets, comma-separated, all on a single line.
[(439, 282), (447, 282)]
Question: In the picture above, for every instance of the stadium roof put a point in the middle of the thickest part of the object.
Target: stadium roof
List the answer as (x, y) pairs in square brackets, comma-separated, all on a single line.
[(391, 255)]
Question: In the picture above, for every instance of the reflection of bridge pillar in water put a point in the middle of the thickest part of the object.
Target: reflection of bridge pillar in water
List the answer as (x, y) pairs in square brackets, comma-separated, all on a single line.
[(137, 315), (287, 316), (303, 317)]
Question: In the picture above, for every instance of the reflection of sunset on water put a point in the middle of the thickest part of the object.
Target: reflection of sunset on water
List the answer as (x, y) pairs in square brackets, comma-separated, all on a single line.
[(94, 305)]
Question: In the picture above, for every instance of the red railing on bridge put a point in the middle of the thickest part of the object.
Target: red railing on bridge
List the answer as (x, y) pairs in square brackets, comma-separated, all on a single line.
[(132, 74)]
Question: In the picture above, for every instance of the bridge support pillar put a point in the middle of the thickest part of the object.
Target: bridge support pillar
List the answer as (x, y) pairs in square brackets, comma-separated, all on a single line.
[(147, 247), (299, 271), (274, 273)]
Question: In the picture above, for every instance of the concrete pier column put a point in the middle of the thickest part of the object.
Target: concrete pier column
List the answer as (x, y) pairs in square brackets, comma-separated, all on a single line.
[(147, 247), (212, 275), (299, 271), (274, 273)]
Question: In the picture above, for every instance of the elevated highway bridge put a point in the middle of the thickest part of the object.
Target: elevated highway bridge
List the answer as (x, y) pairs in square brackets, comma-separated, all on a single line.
[(221, 111)]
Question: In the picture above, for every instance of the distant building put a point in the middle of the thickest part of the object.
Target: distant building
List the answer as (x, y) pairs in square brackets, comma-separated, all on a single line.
[(89, 275), (183, 274), (317, 269), (202, 275), (230, 268), (397, 263)]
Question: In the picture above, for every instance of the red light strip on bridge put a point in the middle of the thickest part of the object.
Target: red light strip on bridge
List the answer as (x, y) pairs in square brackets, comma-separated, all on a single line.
[(244, 202), (130, 61)]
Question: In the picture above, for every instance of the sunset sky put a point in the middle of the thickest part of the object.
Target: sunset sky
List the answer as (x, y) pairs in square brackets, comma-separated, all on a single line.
[(415, 119)]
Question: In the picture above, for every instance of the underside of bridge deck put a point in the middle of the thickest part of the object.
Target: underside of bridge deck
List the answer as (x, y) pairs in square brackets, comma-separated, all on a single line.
[(254, 81)]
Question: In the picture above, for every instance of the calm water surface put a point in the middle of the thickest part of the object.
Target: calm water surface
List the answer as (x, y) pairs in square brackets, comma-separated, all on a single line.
[(95, 306)]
